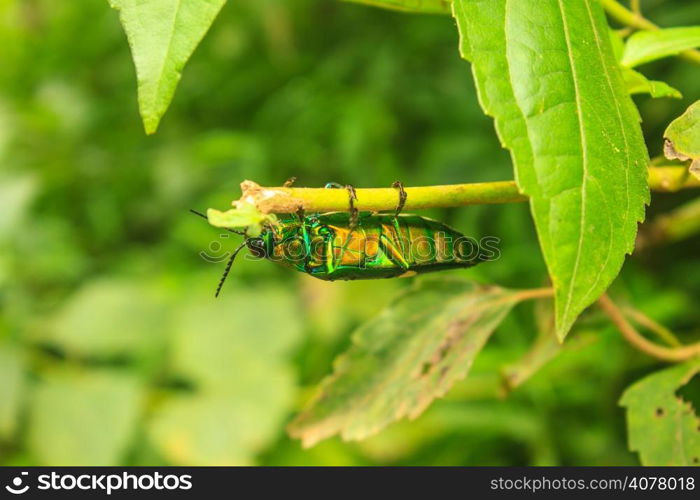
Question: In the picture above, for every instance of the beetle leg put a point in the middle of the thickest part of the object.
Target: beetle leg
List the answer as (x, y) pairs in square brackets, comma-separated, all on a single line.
[(402, 197), (352, 196), (354, 213), (300, 213)]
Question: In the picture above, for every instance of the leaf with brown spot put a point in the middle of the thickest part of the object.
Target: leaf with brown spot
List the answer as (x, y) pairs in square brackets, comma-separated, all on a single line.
[(404, 358), (662, 427)]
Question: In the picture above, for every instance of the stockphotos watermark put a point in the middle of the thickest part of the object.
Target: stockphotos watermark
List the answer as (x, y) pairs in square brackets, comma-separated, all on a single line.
[(107, 483), (424, 248)]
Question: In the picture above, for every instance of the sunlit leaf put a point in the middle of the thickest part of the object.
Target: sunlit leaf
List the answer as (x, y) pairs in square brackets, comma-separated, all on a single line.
[(162, 35), (84, 419), (418, 6), (683, 138), (572, 130), (662, 426), (646, 46), (244, 216), (404, 358), (108, 317), (637, 83)]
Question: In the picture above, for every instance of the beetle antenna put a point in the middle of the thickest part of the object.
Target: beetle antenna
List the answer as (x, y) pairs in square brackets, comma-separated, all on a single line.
[(228, 268), (226, 228)]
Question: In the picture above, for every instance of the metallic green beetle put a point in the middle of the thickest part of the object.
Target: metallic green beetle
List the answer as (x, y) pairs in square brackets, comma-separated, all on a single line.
[(350, 245), (328, 247)]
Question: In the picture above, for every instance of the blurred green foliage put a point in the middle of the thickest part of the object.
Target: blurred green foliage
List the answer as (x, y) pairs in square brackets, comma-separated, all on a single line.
[(112, 347)]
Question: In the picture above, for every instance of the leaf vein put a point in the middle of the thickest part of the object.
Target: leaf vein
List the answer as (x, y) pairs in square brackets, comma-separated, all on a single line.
[(608, 80), (168, 50), (584, 154)]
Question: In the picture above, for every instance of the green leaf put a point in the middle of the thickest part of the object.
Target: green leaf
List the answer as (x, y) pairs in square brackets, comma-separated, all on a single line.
[(683, 138), (646, 46), (12, 375), (83, 418), (663, 427), (162, 35), (239, 367), (244, 216), (401, 360), (637, 83), (108, 317), (417, 6), (618, 44), (254, 333), (561, 107)]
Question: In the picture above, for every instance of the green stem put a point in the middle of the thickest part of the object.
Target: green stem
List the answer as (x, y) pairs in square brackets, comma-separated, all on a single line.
[(657, 329), (634, 20), (289, 199), (678, 225), (671, 178), (625, 16), (672, 354), (636, 7), (280, 200)]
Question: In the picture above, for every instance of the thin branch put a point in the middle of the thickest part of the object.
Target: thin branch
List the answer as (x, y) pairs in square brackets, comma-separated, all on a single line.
[(533, 293), (529, 294), (635, 20), (636, 7), (625, 16), (673, 354), (652, 325), (672, 178), (290, 199), (287, 199)]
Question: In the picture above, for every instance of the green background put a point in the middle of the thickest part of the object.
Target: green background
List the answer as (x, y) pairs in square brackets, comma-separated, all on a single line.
[(112, 347)]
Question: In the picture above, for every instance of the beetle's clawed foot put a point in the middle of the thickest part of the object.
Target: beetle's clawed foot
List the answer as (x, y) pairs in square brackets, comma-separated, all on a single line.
[(354, 213), (352, 197), (402, 197)]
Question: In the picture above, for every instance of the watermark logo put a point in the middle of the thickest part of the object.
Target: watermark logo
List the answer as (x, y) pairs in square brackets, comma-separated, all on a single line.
[(216, 252), (16, 488)]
